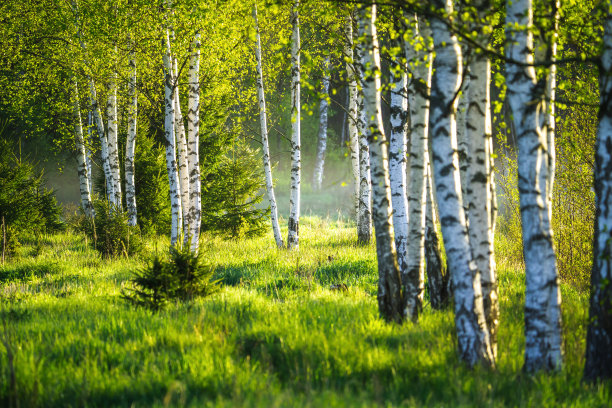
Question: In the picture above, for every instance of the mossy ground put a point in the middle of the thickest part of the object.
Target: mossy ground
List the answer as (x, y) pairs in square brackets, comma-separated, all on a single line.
[(275, 335)]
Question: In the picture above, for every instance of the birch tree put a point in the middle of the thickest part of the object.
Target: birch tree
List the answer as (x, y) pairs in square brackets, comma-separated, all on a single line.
[(389, 282), (183, 164), (599, 336), (542, 298), (353, 108), (130, 146), (263, 121), (419, 55), (317, 178), (193, 143), (296, 161), (82, 169), (472, 333), (480, 189), (113, 146)]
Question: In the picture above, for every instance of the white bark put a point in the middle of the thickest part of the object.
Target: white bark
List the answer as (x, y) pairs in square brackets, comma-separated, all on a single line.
[(353, 108), (418, 99), (130, 147), (82, 170), (542, 298), (169, 129), (480, 188), (113, 147), (183, 162), (599, 337), (463, 150), (88, 144), (193, 145), (97, 116), (317, 179), (296, 160), (472, 333), (389, 281), (264, 140)]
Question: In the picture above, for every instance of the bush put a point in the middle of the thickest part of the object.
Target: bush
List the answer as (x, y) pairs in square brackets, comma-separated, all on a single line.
[(182, 276), (110, 232)]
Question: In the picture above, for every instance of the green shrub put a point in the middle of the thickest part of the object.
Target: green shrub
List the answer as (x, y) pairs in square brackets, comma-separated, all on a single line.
[(181, 276), (110, 233)]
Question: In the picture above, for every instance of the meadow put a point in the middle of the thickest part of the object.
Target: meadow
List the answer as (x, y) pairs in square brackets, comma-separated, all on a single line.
[(287, 328)]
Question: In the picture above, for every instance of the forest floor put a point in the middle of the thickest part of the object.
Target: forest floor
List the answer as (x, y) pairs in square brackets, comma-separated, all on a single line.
[(276, 334)]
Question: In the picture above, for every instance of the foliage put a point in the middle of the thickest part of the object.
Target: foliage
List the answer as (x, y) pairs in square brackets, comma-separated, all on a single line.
[(182, 276), (230, 198), (109, 231), (26, 206)]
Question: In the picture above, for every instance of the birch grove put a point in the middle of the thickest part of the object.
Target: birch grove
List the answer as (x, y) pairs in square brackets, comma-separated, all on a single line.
[(472, 334), (389, 280), (263, 121), (296, 159), (598, 364), (543, 298)]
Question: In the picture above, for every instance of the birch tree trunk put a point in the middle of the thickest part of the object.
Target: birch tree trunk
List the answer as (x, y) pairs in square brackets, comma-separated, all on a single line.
[(398, 140), (353, 108), (97, 115), (81, 155), (542, 298), (183, 163), (296, 161), (88, 144), (599, 336), (317, 179), (463, 149), (113, 147), (364, 213), (418, 99), (472, 333), (263, 121), (169, 129), (480, 190), (193, 145), (130, 147), (390, 303), (437, 277)]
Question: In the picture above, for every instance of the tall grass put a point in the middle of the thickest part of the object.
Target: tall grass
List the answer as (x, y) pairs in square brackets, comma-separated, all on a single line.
[(277, 334)]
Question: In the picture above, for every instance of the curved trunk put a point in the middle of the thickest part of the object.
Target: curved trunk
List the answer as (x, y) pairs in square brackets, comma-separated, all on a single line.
[(130, 147), (542, 298), (472, 333), (81, 155), (599, 337), (264, 140), (296, 160), (390, 302), (317, 179), (193, 145)]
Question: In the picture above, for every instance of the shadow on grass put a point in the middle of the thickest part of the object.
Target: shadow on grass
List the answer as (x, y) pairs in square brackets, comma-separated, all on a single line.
[(26, 272)]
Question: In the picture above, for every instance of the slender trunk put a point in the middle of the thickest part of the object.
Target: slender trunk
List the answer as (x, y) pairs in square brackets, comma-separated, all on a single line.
[(183, 162), (296, 160), (479, 199), (364, 213), (193, 145), (390, 302), (418, 99), (88, 151), (81, 155), (463, 149), (438, 281), (599, 336), (472, 333), (169, 128), (113, 148), (542, 298), (398, 140), (130, 147), (317, 179), (97, 115), (264, 140), (353, 127)]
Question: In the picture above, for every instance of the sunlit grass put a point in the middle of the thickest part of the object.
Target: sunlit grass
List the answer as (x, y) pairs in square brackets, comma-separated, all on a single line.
[(276, 334)]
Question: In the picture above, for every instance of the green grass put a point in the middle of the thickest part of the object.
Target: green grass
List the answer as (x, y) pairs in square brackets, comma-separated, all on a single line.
[(275, 335)]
